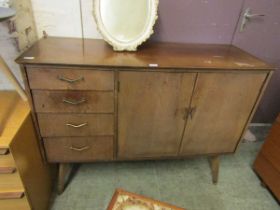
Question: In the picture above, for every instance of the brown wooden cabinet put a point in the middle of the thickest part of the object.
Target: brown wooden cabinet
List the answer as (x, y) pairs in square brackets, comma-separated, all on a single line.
[(163, 101), (267, 163)]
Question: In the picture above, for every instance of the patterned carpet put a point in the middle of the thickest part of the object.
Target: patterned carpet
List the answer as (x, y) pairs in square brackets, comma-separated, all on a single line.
[(184, 183)]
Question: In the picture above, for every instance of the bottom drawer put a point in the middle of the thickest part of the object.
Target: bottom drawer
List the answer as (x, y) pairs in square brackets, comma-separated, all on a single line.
[(15, 204), (79, 149)]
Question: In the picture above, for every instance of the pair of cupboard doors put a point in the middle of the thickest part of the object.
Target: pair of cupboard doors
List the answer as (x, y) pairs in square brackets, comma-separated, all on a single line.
[(170, 114)]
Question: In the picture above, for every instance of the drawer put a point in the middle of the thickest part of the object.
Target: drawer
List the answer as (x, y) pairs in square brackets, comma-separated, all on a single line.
[(69, 78), (7, 164), (76, 124), (4, 151), (73, 101), (79, 149), (11, 186), (15, 204)]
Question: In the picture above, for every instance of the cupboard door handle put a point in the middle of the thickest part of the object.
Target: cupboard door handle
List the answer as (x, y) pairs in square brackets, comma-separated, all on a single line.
[(189, 113), (76, 126), (192, 112), (64, 79), (79, 149), (74, 102)]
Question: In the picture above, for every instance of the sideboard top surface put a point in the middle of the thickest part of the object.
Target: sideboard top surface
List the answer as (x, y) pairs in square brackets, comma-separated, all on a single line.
[(91, 52)]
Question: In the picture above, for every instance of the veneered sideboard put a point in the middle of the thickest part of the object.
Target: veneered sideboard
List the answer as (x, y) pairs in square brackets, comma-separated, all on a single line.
[(164, 101)]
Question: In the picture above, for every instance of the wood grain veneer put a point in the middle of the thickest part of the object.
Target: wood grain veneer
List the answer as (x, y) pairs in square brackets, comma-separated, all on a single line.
[(51, 78), (166, 100), (87, 101), (76, 124), (91, 52), (267, 163), (25, 179), (79, 149)]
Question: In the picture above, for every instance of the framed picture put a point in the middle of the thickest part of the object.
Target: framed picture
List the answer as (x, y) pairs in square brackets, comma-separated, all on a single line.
[(123, 200)]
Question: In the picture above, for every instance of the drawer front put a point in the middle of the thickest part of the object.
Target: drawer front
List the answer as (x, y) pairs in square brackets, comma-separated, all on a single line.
[(76, 124), (73, 101), (79, 149), (15, 204), (7, 164), (67, 78)]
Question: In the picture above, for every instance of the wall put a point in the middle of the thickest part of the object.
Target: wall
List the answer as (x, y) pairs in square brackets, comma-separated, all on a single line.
[(197, 21), (16, 34), (62, 18), (205, 21), (8, 51)]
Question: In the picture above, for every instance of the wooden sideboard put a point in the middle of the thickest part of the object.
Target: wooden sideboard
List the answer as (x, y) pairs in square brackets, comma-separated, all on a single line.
[(164, 101)]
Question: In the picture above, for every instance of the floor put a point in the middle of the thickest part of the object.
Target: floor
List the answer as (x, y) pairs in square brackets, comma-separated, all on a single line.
[(185, 183)]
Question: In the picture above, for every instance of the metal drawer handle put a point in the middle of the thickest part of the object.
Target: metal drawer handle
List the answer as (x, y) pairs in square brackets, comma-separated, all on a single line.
[(79, 149), (74, 102), (64, 79), (76, 126)]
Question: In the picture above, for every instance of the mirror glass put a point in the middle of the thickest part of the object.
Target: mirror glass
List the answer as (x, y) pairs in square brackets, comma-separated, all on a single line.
[(125, 24)]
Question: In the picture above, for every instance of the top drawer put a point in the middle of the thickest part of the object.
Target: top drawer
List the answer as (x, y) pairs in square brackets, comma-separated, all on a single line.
[(49, 78)]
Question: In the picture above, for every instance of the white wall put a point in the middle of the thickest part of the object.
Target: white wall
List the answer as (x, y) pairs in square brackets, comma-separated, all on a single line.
[(62, 18)]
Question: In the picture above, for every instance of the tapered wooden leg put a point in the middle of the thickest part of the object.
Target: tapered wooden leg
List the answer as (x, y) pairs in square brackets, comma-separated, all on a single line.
[(63, 172), (215, 164)]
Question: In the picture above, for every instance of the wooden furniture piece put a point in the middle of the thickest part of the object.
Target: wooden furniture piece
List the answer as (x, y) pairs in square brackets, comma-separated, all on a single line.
[(123, 200), (25, 179), (164, 101), (267, 164), (7, 106)]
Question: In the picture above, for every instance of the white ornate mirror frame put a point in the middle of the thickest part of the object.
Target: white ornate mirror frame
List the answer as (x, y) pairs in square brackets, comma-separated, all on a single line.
[(125, 24)]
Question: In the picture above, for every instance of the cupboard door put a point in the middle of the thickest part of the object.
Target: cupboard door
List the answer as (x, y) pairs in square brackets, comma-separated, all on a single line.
[(151, 108), (222, 105)]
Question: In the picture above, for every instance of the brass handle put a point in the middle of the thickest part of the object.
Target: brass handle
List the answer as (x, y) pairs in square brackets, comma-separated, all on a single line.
[(79, 149), (189, 112), (76, 126), (64, 79), (74, 102), (192, 112)]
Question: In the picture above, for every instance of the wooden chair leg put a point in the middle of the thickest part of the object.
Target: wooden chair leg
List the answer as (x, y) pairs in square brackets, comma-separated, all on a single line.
[(215, 164), (63, 172)]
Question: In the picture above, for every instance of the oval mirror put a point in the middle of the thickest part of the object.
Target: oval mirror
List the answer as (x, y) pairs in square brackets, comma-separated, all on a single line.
[(125, 24)]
